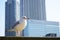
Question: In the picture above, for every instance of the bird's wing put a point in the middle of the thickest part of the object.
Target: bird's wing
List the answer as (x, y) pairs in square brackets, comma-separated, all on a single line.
[(15, 24), (12, 29)]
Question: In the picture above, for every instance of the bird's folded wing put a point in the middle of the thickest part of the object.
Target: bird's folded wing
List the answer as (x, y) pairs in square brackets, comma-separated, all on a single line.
[(15, 24)]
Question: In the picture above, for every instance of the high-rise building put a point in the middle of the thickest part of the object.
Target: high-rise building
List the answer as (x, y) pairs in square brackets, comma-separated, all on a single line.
[(34, 9), (12, 14)]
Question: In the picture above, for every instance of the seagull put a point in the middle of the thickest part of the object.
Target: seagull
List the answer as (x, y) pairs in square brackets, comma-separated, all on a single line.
[(19, 27)]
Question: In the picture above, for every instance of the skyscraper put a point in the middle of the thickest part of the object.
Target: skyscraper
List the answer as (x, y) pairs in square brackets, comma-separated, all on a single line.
[(34, 9), (12, 14)]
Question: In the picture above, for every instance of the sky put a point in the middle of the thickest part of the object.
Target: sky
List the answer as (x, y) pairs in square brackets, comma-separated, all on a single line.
[(53, 10), (52, 13)]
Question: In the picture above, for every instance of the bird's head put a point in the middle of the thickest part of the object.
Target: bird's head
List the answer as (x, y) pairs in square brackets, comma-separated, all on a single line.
[(25, 18)]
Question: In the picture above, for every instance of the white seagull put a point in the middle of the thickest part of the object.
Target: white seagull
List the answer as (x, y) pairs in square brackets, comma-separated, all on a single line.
[(19, 27)]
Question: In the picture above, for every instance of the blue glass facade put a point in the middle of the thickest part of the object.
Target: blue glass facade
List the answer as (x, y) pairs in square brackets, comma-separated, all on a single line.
[(39, 28), (34, 9)]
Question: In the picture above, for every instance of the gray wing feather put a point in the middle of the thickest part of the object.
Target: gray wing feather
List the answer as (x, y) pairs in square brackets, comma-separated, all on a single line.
[(15, 24)]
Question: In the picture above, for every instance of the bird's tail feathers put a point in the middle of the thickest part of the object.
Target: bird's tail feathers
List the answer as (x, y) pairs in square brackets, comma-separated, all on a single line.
[(10, 30)]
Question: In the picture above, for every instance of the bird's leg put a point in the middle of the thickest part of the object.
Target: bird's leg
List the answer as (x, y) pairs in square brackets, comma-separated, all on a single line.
[(18, 33)]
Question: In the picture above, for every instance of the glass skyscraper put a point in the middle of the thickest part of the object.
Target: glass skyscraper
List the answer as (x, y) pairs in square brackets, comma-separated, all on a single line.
[(34, 9), (12, 14)]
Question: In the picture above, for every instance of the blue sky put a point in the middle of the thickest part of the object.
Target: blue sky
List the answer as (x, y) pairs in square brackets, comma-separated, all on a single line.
[(53, 10), (2, 17), (52, 13)]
